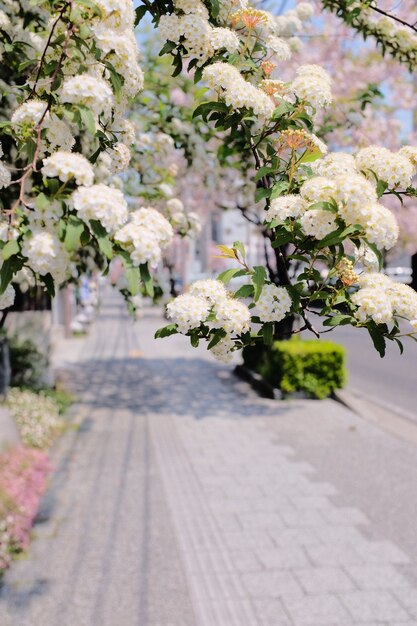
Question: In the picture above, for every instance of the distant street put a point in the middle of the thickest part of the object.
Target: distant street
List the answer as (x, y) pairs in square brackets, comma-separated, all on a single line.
[(392, 381)]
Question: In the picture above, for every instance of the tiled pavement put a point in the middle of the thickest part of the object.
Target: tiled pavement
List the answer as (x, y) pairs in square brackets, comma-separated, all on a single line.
[(181, 477)]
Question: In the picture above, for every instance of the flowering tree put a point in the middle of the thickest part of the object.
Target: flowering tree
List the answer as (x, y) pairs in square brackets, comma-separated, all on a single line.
[(74, 68), (327, 207)]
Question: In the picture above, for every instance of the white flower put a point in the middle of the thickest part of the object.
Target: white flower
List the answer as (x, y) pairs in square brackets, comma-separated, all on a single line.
[(30, 112), (381, 227), (102, 203), (284, 207), (212, 290), (94, 93), (280, 48), (224, 38), (238, 92), (120, 157), (223, 351), (372, 302), (5, 176), (318, 189), (334, 164), (354, 193), (7, 297), (313, 84), (46, 254), (233, 316), (188, 312), (395, 169), (403, 300), (304, 10), (273, 304), (318, 223), (155, 222), (67, 165)]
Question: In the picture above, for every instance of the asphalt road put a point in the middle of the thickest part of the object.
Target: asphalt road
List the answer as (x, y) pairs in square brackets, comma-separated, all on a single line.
[(391, 381)]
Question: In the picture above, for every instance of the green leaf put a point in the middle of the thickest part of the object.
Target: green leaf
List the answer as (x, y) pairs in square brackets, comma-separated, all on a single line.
[(168, 47), (6, 275), (240, 248), (338, 320), (337, 236), (140, 13), (216, 338), (73, 233), (280, 188), (147, 280), (102, 237), (88, 120), (377, 338), (261, 193), (258, 279), (281, 238), (227, 275), (268, 333), (245, 291), (12, 247), (48, 281), (166, 331)]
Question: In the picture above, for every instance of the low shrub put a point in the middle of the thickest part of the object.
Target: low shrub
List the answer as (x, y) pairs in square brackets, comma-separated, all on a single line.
[(28, 364), (23, 475), (312, 366), (37, 416)]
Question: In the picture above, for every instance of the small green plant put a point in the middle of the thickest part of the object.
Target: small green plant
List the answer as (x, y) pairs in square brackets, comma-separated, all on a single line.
[(27, 363), (313, 366)]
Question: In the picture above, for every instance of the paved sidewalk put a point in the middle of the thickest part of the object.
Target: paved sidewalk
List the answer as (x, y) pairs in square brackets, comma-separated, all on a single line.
[(185, 500)]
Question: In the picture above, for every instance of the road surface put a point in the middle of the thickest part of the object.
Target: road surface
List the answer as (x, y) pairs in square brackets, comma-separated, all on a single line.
[(391, 381)]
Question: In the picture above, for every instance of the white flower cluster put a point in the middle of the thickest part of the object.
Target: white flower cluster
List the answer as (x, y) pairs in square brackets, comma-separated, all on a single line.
[(90, 91), (182, 221), (313, 84), (145, 235), (339, 180), (192, 309), (395, 168), (188, 312), (103, 203), (68, 165), (211, 290), (318, 223), (57, 133), (380, 299), (401, 38), (7, 297), (273, 304), (120, 157), (46, 254), (236, 91), (283, 207), (193, 29)]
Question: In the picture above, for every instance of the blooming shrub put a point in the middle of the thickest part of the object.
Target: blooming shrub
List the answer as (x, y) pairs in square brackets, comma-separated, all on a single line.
[(316, 368), (36, 415), (23, 474)]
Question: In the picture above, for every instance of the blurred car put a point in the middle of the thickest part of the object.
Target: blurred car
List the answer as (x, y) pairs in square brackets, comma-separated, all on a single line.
[(399, 273)]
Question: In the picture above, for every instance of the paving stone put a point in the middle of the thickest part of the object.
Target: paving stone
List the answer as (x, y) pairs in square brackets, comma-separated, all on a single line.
[(247, 539), (283, 557), (271, 613), (373, 605), (383, 552), (325, 610), (324, 580), (334, 554), (376, 577), (345, 516), (294, 536), (303, 518), (408, 599), (261, 520), (270, 584)]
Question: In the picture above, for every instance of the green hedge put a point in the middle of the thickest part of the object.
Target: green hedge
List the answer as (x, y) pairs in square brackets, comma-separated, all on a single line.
[(313, 366)]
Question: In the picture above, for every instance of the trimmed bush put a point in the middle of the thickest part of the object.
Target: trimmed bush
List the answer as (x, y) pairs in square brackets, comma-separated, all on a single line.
[(312, 366)]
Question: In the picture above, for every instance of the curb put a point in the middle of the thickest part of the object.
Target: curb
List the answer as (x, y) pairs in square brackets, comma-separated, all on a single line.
[(387, 418)]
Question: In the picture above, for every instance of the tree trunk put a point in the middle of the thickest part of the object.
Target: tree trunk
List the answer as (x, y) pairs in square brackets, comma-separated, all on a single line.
[(414, 270)]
